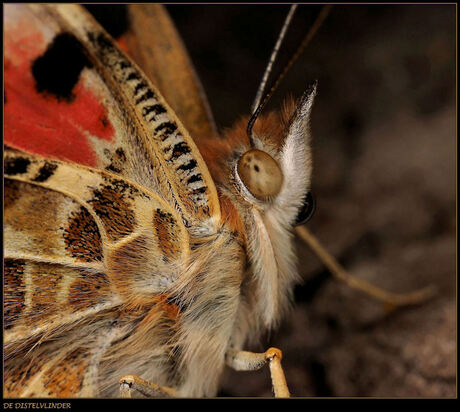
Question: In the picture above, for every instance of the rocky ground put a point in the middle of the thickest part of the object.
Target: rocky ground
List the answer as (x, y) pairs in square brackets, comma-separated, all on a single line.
[(384, 129)]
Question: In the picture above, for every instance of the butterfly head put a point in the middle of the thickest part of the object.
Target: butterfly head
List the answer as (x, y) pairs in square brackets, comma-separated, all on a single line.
[(268, 175), (270, 183)]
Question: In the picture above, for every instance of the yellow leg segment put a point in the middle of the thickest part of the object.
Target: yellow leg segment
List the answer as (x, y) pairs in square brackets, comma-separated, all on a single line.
[(250, 361)]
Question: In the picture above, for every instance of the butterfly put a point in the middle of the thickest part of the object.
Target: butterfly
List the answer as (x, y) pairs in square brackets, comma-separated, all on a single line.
[(126, 252), (137, 245)]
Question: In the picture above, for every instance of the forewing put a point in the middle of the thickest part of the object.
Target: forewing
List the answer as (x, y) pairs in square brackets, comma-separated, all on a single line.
[(156, 46), (72, 94)]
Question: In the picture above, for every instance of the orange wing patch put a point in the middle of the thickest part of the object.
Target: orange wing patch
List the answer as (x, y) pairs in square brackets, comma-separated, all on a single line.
[(82, 237), (88, 290), (12, 192), (32, 218), (66, 378), (164, 224), (39, 294), (43, 293), (116, 214), (18, 375)]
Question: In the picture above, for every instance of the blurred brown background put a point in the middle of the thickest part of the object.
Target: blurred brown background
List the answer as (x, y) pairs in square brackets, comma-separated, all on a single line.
[(384, 142), (384, 130)]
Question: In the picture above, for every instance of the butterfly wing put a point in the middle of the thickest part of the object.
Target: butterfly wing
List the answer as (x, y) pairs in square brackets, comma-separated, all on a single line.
[(155, 45), (82, 248), (108, 112), (90, 243)]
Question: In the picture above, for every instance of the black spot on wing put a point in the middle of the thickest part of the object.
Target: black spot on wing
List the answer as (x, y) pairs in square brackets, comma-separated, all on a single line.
[(169, 127), (156, 109), (114, 19), (121, 154), (199, 190), (179, 149), (195, 178), (57, 71), (45, 172), (16, 165), (133, 76), (124, 64), (113, 168), (140, 87), (188, 166), (145, 96), (117, 161), (165, 130)]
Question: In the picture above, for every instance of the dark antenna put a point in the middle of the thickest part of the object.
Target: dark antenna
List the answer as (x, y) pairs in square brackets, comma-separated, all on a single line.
[(272, 59), (259, 104)]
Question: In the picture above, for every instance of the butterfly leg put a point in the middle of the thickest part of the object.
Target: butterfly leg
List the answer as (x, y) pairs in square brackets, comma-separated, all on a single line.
[(146, 388), (249, 361)]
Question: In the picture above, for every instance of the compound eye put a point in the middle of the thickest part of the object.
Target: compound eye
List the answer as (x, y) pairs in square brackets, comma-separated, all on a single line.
[(260, 174), (307, 210)]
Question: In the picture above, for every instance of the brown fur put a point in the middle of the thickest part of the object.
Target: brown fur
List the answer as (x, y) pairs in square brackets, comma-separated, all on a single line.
[(217, 151)]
